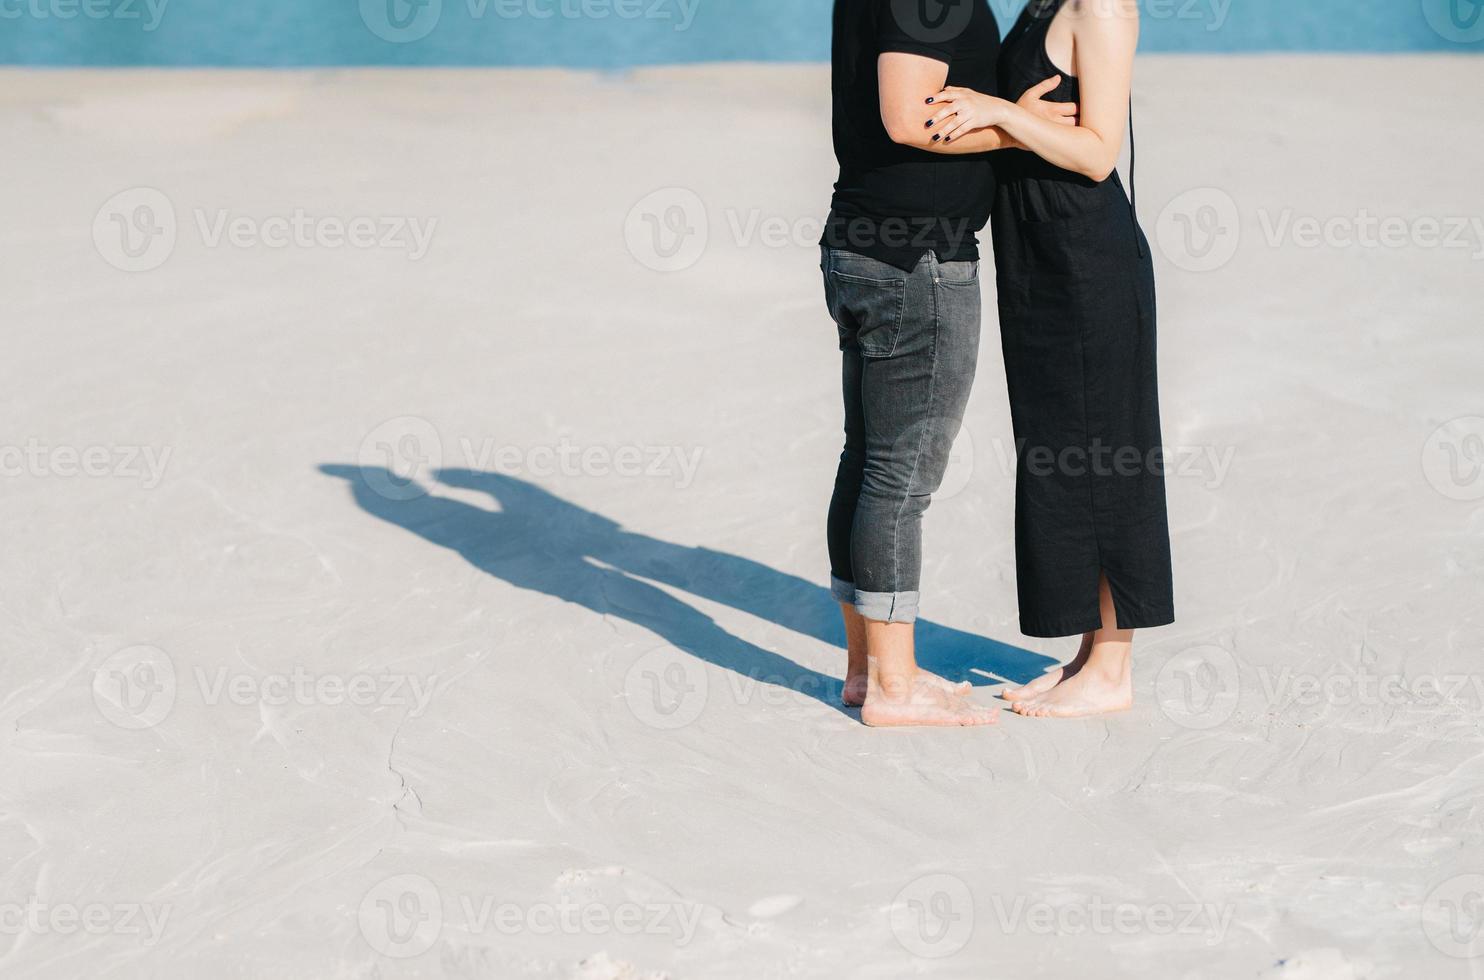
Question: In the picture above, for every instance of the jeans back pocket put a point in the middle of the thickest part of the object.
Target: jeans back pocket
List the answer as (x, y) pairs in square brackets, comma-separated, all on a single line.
[(868, 311)]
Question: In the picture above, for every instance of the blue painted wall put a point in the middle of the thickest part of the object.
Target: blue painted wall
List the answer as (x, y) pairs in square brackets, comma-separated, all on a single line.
[(620, 33)]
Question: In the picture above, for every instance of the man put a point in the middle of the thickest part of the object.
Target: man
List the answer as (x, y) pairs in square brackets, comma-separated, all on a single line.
[(900, 264)]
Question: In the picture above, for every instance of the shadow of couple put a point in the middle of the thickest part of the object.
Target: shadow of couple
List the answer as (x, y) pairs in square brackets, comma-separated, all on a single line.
[(537, 541)]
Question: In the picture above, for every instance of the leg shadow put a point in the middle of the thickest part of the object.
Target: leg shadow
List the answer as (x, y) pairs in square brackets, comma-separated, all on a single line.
[(538, 541)]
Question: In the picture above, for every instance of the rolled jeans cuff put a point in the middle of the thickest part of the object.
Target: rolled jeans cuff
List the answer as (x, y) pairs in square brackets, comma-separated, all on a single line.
[(842, 590), (888, 607)]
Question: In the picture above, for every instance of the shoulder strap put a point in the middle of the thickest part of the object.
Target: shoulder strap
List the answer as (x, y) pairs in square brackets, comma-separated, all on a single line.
[(1133, 187)]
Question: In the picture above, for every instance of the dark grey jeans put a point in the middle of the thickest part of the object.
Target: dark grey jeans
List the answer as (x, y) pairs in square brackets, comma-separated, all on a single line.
[(910, 344)]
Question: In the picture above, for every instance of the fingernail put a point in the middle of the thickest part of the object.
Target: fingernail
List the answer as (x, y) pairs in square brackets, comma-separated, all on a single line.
[(929, 101), (928, 124), (936, 137)]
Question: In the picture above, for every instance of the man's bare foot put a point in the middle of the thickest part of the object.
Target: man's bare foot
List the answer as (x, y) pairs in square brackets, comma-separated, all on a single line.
[(922, 701), (856, 684)]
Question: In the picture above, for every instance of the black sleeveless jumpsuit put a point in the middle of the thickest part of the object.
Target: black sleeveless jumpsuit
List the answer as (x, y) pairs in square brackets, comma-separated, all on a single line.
[(1077, 322)]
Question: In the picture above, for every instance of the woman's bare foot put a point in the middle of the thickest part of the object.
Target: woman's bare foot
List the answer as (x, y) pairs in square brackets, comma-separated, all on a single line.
[(1051, 678), (1099, 681), (1097, 688), (922, 701), (857, 683)]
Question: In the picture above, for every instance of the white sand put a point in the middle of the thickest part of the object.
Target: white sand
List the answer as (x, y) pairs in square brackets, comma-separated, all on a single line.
[(544, 796)]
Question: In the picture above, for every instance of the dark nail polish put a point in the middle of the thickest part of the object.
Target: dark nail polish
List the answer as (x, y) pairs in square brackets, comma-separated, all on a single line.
[(929, 101), (936, 137), (928, 124)]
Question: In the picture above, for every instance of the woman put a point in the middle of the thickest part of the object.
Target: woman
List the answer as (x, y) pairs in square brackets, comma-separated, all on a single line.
[(1076, 291)]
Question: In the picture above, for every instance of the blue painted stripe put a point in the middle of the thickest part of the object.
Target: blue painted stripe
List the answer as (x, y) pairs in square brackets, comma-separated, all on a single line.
[(620, 33)]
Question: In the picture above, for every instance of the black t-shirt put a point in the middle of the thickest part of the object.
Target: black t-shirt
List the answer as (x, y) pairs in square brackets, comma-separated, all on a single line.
[(895, 202)]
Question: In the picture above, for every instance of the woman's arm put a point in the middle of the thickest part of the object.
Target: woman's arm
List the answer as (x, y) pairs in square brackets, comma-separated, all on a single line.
[(1105, 34), (1062, 114), (907, 81)]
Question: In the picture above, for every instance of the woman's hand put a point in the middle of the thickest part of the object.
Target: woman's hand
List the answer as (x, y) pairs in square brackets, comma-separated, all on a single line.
[(963, 110), (1058, 112)]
